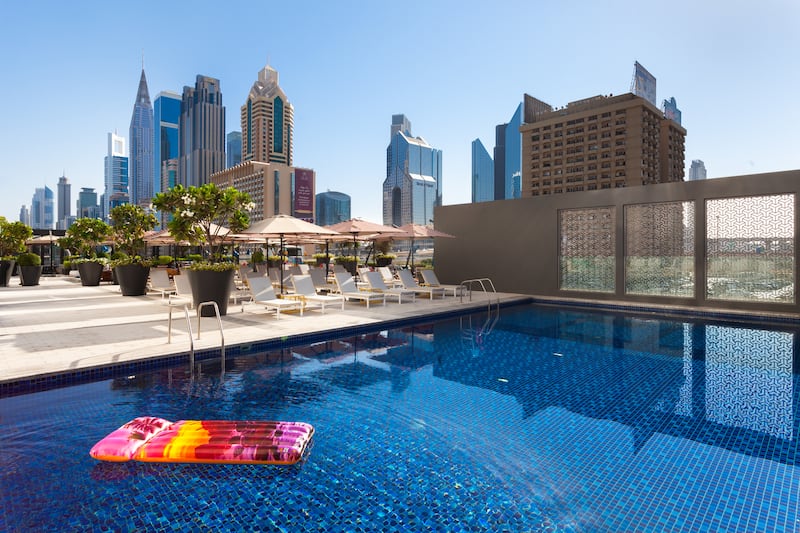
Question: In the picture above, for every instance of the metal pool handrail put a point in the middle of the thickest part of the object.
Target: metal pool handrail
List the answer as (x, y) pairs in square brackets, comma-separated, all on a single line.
[(483, 282)]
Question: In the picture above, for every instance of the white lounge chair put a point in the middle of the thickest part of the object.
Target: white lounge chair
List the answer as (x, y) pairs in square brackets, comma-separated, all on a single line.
[(160, 282), (304, 287), (411, 284), (348, 289), (262, 292), (388, 277), (376, 284), (319, 281), (430, 279), (183, 291)]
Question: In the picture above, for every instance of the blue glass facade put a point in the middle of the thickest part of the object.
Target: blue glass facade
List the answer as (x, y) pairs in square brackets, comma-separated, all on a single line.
[(234, 149), (116, 175), (141, 147), (513, 155), (332, 207), (482, 173), (167, 114), (413, 177)]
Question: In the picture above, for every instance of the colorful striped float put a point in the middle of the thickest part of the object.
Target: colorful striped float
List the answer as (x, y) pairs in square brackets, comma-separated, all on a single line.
[(156, 440)]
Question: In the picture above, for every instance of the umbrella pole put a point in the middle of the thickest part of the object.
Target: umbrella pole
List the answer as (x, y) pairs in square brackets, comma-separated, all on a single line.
[(281, 264), (327, 258)]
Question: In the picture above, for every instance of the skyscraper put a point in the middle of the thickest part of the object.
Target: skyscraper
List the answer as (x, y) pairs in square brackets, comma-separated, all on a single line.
[(42, 208), (116, 175), (202, 132), (166, 119), (482, 173), (266, 171), (697, 171), (25, 215), (267, 121), (141, 147), (234, 149), (64, 203), (512, 170), (332, 207), (413, 185), (87, 204)]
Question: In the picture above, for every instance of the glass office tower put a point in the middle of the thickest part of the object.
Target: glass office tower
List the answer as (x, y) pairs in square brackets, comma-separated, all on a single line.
[(202, 132), (482, 173), (332, 207), (141, 147), (116, 175), (234, 149), (167, 115), (413, 177)]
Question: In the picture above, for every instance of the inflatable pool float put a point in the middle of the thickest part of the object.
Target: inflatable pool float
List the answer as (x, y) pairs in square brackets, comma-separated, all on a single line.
[(155, 440)]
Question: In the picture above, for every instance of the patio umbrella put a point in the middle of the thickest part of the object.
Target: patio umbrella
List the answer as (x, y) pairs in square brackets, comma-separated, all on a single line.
[(48, 240), (418, 231), (285, 225), (361, 228)]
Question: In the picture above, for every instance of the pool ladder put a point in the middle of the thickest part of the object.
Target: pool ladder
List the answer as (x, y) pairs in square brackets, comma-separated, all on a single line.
[(191, 334), (476, 335)]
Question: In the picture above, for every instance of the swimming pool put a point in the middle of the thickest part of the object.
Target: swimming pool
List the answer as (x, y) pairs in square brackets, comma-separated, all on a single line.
[(547, 420)]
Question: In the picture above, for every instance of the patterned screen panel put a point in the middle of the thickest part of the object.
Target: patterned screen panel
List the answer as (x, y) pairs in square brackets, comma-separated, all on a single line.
[(659, 249), (750, 248), (586, 249)]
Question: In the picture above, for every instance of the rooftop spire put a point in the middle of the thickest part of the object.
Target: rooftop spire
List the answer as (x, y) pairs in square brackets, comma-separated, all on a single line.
[(142, 95)]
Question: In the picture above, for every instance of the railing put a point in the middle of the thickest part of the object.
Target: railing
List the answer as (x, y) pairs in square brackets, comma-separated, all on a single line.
[(466, 286), (219, 325), (476, 335)]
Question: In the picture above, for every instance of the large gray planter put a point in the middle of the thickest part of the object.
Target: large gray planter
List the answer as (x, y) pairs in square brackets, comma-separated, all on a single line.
[(132, 279), (90, 272), (211, 286), (29, 275), (6, 268)]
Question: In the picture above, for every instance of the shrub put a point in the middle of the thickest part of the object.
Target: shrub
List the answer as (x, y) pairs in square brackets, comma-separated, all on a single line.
[(165, 260), (29, 259)]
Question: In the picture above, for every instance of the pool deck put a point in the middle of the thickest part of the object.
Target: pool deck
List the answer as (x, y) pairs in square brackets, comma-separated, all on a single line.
[(60, 326)]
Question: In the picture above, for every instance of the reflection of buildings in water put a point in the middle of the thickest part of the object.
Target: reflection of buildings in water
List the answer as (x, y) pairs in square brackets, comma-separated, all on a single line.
[(677, 379)]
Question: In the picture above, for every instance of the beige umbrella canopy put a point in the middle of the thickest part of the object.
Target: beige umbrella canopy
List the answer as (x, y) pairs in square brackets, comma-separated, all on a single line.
[(358, 227), (282, 226), (43, 239), (419, 231)]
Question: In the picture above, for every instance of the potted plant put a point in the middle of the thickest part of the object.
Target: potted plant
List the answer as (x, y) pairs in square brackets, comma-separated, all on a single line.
[(322, 259), (257, 259), (30, 268), (349, 262), (12, 242), (84, 236), (203, 215), (129, 223)]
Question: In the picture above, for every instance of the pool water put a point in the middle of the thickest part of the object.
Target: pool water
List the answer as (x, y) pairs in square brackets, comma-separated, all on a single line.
[(545, 420)]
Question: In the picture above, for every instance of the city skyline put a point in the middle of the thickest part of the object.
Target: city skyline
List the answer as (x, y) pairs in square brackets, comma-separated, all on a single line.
[(730, 68)]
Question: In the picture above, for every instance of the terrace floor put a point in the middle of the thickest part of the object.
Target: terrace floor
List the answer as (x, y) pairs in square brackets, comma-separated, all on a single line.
[(61, 326)]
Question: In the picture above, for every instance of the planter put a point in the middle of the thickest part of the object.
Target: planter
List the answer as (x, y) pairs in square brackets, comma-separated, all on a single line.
[(211, 286), (90, 273), (383, 261), (132, 279), (6, 268), (29, 275), (350, 266), (322, 261)]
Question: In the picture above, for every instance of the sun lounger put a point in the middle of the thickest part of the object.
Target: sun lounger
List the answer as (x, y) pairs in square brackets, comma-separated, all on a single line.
[(304, 288), (430, 279), (348, 289), (376, 284), (411, 284), (262, 292), (319, 281), (160, 282)]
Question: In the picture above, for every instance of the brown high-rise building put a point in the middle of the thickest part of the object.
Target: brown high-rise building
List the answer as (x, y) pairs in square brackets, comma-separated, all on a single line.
[(598, 143)]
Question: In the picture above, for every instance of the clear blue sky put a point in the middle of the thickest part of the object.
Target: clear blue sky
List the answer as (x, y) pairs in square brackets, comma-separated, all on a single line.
[(454, 68)]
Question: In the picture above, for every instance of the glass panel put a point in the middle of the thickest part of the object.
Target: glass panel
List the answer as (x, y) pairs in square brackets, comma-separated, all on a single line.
[(750, 248), (659, 249), (586, 249)]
